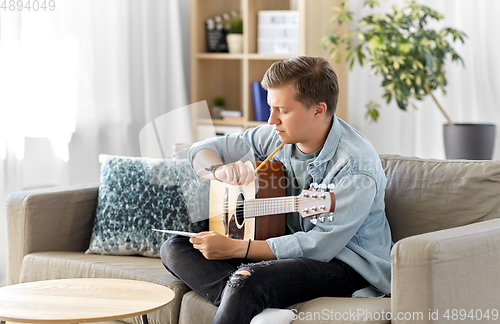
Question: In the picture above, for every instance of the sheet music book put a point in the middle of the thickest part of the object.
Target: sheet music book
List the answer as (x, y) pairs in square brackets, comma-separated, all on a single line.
[(189, 234)]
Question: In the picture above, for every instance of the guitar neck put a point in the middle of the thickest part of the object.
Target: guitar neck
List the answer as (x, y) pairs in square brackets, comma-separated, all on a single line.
[(269, 206)]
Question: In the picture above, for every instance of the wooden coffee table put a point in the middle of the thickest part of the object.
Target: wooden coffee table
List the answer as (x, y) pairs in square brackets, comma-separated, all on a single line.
[(81, 300)]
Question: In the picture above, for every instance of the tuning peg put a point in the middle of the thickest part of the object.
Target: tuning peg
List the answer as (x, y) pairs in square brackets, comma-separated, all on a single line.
[(322, 187), (330, 217), (314, 220), (321, 219), (313, 186), (331, 186)]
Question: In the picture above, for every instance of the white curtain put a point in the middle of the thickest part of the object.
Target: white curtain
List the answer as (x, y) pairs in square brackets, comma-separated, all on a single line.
[(472, 93), (83, 80)]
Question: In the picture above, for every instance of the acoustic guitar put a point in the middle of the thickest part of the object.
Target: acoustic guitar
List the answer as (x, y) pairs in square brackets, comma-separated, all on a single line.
[(257, 211)]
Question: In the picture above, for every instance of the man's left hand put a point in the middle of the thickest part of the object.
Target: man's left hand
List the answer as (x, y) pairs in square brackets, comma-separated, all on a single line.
[(215, 246)]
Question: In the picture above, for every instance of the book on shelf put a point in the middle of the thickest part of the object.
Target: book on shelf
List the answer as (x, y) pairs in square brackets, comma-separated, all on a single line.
[(261, 107), (222, 130), (231, 113)]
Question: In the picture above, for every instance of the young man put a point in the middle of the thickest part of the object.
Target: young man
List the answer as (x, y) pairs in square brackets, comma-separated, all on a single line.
[(349, 256)]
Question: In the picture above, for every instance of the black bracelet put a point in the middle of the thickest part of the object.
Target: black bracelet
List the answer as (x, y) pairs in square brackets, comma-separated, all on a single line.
[(248, 248)]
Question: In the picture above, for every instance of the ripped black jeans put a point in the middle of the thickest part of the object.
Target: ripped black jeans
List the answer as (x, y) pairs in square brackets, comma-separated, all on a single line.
[(243, 290)]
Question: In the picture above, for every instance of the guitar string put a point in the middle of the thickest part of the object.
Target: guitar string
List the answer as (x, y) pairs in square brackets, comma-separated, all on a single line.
[(275, 199), (250, 207), (295, 209), (254, 205), (257, 203)]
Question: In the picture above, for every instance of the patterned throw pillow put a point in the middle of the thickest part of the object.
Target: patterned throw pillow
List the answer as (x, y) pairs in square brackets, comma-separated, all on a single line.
[(139, 194)]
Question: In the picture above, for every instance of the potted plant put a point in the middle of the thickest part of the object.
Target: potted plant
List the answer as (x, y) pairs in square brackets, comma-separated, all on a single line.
[(410, 56), (234, 28), (218, 107)]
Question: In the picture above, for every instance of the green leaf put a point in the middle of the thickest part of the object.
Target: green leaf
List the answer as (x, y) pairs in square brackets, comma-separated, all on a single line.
[(372, 110), (401, 105), (333, 19), (398, 15), (418, 80), (405, 47), (334, 54), (371, 3), (388, 96), (372, 113), (361, 56), (440, 78)]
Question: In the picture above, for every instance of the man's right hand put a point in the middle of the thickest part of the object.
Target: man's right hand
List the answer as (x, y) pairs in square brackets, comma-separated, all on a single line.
[(236, 173)]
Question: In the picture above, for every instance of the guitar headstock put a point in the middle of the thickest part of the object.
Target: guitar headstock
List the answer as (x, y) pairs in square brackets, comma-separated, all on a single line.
[(315, 201)]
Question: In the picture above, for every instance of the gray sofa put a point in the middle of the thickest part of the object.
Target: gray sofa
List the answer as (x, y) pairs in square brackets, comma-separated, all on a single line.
[(444, 221)]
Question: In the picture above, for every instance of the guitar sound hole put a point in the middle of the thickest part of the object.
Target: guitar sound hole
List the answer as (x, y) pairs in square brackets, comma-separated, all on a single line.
[(240, 216)]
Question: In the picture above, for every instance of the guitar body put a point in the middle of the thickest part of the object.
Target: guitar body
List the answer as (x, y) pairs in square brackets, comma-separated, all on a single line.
[(226, 211)]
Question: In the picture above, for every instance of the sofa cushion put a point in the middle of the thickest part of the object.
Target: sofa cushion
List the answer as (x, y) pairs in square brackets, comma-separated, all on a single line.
[(426, 195), (343, 310), (139, 194), (328, 310), (196, 309), (63, 265)]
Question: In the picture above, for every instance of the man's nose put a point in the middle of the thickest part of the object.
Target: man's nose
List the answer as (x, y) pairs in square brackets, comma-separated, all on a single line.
[(273, 118)]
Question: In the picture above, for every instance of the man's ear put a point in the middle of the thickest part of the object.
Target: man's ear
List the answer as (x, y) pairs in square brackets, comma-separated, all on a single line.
[(320, 109)]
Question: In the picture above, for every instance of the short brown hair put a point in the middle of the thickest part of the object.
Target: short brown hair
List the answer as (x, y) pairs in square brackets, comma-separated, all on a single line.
[(313, 77)]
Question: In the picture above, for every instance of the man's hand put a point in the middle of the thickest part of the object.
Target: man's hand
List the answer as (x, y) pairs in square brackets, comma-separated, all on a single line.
[(215, 246), (236, 173)]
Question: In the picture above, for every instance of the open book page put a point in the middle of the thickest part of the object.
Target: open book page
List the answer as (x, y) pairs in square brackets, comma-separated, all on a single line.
[(176, 232)]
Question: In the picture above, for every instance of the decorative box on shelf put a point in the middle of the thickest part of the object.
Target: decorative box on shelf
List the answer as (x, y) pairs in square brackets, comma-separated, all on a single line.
[(278, 32)]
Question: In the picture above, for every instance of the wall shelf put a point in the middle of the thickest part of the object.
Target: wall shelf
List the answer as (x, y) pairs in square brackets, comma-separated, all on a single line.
[(231, 75)]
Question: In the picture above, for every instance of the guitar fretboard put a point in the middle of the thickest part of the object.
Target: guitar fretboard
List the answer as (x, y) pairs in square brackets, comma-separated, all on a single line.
[(269, 206)]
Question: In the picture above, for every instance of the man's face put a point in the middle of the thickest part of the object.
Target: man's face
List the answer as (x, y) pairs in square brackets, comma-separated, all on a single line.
[(291, 119)]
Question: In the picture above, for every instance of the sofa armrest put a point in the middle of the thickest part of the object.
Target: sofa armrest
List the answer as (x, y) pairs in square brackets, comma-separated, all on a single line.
[(55, 219), (445, 270)]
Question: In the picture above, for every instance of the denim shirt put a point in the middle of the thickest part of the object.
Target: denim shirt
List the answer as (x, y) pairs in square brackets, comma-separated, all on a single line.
[(359, 234)]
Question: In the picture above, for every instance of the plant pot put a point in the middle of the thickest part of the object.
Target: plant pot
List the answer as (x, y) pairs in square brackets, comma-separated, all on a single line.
[(216, 110), (469, 141), (235, 43)]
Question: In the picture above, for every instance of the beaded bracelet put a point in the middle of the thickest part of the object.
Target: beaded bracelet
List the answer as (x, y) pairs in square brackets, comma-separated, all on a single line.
[(213, 168)]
